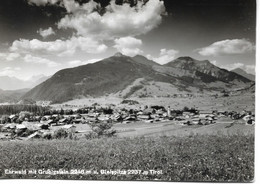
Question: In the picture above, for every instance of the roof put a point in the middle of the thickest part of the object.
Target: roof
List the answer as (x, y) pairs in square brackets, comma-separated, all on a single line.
[(12, 116), (21, 126), (205, 112), (68, 126)]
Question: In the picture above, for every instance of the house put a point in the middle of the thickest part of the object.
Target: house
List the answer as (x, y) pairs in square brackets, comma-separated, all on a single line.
[(9, 127), (70, 128), (35, 135), (130, 118), (12, 116), (33, 126), (149, 121), (21, 127), (63, 121), (195, 121), (186, 114), (143, 117), (250, 122), (47, 122)]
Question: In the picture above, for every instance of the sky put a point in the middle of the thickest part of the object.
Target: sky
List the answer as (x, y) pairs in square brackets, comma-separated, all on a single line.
[(41, 37)]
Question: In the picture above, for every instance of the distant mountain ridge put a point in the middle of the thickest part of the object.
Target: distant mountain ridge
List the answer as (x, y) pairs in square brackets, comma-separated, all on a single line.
[(205, 69), (13, 83), (116, 73), (244, 74), (11, 96)]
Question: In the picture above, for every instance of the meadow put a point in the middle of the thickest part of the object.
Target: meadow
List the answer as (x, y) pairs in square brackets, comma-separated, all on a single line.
[(189, 158)]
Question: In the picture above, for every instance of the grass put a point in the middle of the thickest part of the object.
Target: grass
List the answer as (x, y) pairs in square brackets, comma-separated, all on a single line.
[(133, 90), (191, 158)]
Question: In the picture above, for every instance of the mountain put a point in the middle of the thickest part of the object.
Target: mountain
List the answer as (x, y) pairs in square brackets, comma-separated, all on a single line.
[(13, 83), (104, 77), (11, 96), (38, 79), (135, 76), (244, 74), (206, 71)]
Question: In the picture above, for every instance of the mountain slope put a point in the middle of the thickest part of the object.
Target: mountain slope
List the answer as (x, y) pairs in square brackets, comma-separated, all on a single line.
[(135, 76), (206, 71), (13, 83), (104, 77), (11, 96), (244, 74)]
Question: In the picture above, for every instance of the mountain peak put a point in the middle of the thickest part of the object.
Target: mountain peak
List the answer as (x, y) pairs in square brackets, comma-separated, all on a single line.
[(238, 70), (243, 73), (118, 54), (186, 58)]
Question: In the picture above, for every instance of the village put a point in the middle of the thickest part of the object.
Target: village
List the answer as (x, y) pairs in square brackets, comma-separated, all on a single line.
[(26, 125)]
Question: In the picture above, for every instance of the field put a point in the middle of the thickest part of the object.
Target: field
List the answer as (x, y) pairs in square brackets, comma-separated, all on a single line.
[(205, 102), (164, 150), (195, 156)]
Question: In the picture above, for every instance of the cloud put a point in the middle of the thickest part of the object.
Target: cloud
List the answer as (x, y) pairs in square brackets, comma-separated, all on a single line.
[(12, 56), (116, 21), (247, 68), (93, 25), (9, 71), (235, 46), (9, 56), (214, 62), (46, 32), (79, 62), (58, 47), (38, 60), (42, 2), (128, 45), (165, 56)]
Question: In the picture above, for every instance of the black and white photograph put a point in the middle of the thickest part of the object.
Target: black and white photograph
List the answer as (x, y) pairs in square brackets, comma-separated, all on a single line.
[(128, 90)]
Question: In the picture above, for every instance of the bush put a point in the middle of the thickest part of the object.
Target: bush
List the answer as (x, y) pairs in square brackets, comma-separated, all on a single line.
[(130, 102), (133, 90), (27, 133), (47, 136), (101, 129), (91, 135), (60, 133)]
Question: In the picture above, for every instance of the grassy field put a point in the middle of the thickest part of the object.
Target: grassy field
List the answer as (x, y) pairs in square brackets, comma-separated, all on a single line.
[(188, 158), (231, 103)]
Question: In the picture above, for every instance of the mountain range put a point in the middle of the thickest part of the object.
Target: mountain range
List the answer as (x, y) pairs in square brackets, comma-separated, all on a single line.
[(244, 74), (13, 83), (124, 76)]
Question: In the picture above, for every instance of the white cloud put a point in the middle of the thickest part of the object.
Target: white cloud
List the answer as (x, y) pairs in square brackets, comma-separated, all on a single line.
[(12, 56), (235, 46), (117, 21), (75, 62), (2, 55), (214, 62), (58, 47), (128, 46), (9, 71), (46, 32), (165, 56), (9, 56), (245, 67), (79, 62), (93, 28), (42, 2), (38, 60)]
